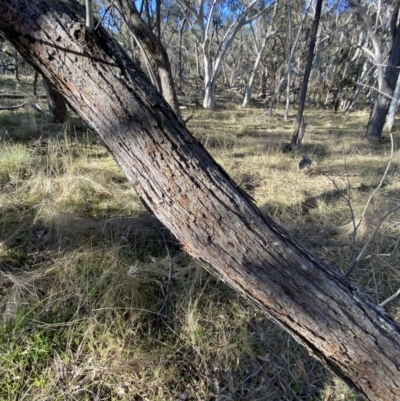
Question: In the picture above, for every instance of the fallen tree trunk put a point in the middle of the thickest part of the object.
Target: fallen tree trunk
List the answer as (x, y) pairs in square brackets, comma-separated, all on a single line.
[(193, 196)]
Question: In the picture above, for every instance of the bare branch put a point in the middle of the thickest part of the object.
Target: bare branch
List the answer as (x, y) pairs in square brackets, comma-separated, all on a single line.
[(12, 108), (391, 298), (360, 10), (383, 217)]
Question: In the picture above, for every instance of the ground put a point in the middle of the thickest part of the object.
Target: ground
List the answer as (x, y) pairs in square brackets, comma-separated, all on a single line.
[(99, 302)]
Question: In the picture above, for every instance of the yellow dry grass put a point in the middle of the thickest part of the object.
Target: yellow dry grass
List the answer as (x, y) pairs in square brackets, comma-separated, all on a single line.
[(99, 302)]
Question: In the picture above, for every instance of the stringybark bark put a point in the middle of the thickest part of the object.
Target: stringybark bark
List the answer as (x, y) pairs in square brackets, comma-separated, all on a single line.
[(194, 197)]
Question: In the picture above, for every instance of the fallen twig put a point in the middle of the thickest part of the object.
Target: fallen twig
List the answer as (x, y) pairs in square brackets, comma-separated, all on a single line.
[(391, 298), (12, 108), (372, 235)]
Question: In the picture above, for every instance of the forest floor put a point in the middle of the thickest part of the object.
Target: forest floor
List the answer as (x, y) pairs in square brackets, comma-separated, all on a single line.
[(99, 302)]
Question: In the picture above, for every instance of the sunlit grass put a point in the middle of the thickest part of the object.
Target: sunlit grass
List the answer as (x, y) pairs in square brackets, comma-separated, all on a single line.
[(100, 302)]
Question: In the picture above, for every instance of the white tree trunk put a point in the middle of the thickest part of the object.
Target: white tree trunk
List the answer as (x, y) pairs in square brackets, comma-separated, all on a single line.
[(289, 62), (249, 86), (209, 95), (393, 107)]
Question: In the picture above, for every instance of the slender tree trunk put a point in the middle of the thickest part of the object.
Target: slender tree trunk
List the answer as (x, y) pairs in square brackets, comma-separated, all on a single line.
[(209, 92), (264, 82), (303, 91), (89, 15), (289, 62), (180, 68), (277, 94), (193, 196), (377, 55), (56, 102), (366, 76), (16, 71), (378, 115), (260, 50), (153, 47), (158, 20), (394, 104)]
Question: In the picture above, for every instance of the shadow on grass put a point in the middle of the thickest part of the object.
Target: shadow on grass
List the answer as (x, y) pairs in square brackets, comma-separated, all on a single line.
[(226, 349)]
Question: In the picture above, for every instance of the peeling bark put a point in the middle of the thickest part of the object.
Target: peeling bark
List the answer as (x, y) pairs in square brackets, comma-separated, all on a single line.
[(193, 196)]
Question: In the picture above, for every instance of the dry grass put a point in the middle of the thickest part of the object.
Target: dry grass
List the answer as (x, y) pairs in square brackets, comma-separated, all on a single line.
[(100, 303)]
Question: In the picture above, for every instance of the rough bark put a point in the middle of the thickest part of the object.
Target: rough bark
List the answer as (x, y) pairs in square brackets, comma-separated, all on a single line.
[(303, 90), (56, 102), (379, 112), (192, 195)]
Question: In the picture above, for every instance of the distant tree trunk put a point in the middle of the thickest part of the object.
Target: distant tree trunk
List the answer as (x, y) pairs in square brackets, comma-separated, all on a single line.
[(303, 90), (264, 82), (213, 56), (56, 102), (158, 20), (153, 48), (209, 84), (180, 68), (365, 77), (16, 71), (376, 56), (89, 15), (193, 196), (378, 115), (259, 50), (394, 104), (289, 61)]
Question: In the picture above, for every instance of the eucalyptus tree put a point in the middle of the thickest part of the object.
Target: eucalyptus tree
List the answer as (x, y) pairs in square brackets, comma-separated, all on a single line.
[(265, 25), (296, 140), (376, 52), (381, 22), (152, 46), (215, 221), (215, 25), (396, 94), (296, 15), (379, 112), (394, 105)]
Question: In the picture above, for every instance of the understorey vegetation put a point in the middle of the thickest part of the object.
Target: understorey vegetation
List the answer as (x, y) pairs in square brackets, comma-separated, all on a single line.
[(99, 301)]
